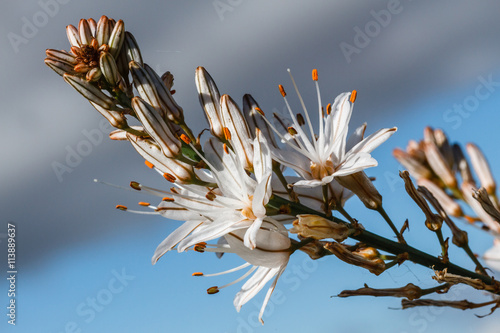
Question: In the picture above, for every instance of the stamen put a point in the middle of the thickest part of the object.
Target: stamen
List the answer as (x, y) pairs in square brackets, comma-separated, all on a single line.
[(135, 185), (149, 164), (305, 110), (171, 178), (227, 133), (250, 271), (145, 204), (168, 199), (259, 110), (292, 131), (200, 247), (300, 119), (121, 207), (210, 196), (354, 94), (226, 150), (229, 271), (185, 138), (172, 91), (282, 90), (329, 109), (197, 274), (315, 74), (212, 290)]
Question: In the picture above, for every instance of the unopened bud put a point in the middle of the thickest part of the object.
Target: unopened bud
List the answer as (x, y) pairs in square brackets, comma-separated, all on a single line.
[(482, 168), (317, 227), (375, 266), (362, 186)]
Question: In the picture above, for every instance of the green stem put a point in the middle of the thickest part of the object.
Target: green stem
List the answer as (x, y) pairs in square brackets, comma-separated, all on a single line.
[(479, 267), (386, 217), (385, 244), (444, 251)]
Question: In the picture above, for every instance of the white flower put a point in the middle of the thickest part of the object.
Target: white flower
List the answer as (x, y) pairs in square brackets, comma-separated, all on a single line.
[(318, 158), (268, 259), (211, 213)]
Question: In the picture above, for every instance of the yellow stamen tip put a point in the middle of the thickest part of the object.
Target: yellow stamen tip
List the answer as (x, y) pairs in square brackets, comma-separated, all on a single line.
[(212, 290), (315, 74), (282, 90), (135, 185), (354, 94)]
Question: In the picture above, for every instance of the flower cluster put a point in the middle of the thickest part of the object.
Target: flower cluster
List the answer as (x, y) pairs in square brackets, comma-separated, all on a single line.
[(443, 169), (259, 188)]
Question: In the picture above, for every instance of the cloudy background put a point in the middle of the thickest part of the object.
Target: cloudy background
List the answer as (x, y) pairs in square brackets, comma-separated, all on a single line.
[(412, 68)]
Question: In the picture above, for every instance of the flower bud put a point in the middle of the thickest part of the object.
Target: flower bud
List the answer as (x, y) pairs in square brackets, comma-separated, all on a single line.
[(210, 101), (115, 118), (482, 168), (89, 91), (439, 165), (116, 38), (103, 31), (450, 206), (156, 127), (317, 227), (362, 186), (109, 69), (239, 135), (416, 168), (132, 49)]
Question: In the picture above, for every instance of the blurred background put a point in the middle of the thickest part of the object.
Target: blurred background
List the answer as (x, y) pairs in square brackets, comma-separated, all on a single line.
[(84, 266)]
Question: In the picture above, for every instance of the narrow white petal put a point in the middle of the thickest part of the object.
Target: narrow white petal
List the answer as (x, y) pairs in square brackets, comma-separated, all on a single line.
[(373, 141), (174, 238)]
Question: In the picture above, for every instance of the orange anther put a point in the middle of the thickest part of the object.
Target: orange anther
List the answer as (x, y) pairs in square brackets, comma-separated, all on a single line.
[(121, 207), (282, 90), (259, 110), (329, 108), (197, 274), (185, 138), (145, 204), (149, 164), (167, 199), (227, 133), (353, 96), (315, 74), (171, 178)]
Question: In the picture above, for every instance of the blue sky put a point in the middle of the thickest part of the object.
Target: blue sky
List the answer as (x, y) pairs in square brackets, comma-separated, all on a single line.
[(84, 265)]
